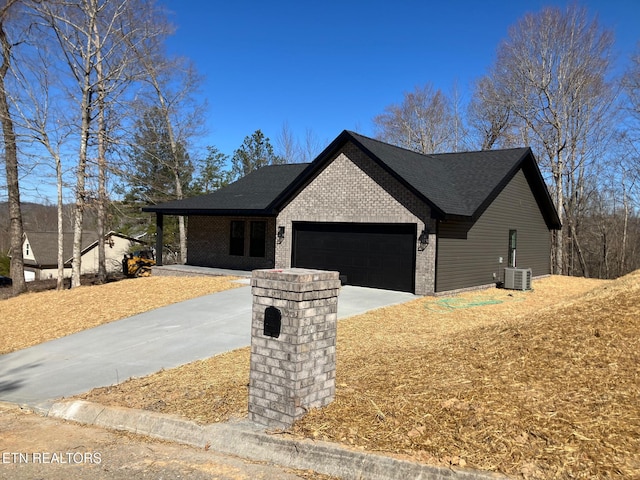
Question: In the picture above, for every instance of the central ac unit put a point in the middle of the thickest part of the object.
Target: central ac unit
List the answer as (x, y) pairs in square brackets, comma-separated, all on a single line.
[(517, 278)]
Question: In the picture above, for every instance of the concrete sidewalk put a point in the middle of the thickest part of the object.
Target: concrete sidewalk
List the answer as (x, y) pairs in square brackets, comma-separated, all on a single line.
[(143, 344)]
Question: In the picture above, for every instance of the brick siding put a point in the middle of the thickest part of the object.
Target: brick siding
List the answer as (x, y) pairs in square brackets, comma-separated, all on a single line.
[(294, 370), (209, 243), (353, 188)]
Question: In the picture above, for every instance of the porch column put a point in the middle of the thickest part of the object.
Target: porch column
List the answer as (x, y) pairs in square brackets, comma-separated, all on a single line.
[(159, 237)]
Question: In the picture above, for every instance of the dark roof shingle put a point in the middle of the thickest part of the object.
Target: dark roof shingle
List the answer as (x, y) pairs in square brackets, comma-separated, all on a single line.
[(253, 193), (454, 185), (44, 246)]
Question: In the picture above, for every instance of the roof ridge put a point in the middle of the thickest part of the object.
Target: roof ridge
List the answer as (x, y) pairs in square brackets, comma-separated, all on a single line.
[(387, 144), (287, 164), (433, 155), (466, 152)]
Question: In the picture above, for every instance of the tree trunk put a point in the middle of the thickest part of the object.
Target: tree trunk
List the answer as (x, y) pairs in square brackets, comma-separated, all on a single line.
[(558, 267), (81, 171), (176, 173), (183, 240), (580, 253), (101, 213), (16, 231), (60, 276), (181, 224), (102, 164), (78, 213), (625, 200), (605, 255)]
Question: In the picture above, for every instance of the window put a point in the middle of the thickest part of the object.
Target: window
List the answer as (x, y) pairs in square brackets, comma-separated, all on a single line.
[(513, 237), (27, 247), (258, 238), (236, 242)]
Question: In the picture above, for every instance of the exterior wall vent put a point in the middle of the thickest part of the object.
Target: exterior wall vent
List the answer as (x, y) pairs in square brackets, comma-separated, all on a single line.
[(517, 278)]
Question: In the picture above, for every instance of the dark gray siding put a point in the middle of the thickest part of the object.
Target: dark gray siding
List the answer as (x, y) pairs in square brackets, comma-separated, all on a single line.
[(468, 254)]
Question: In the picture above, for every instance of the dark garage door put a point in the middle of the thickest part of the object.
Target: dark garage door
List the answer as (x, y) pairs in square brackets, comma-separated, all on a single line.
[(369, 255)]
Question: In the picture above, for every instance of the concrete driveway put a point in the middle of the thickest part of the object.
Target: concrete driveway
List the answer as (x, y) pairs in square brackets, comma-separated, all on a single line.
[(143, 344)]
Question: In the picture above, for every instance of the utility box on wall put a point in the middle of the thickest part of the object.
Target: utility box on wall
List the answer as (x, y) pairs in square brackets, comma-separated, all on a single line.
[(293, 344)]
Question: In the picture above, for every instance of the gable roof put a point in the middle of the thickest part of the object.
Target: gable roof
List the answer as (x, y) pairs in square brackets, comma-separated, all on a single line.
[(44, 246), (455, 185), (461, 184), (253, 194)]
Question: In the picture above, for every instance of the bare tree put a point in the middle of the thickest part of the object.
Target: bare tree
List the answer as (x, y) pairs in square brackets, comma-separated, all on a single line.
[(114, 69), (611, 232), (490, 118), (16, 232), (73, 26), (632, 84), (286, 144), (423, 122), (551, 76), (460, 130), (311, 147), (173, 84), (630, 159), (41, 123), (293, 150), (94, 38)]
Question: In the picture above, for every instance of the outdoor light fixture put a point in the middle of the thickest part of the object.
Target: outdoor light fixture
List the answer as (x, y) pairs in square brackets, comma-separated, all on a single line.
[(280, 234), (423, 240)]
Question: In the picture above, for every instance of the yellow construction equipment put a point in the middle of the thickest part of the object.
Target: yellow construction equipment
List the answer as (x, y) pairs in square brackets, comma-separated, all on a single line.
[(138, 264)]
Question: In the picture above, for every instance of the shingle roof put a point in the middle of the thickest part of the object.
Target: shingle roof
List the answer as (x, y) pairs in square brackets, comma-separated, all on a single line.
[(454, 185), (44, 246), (254, 193)]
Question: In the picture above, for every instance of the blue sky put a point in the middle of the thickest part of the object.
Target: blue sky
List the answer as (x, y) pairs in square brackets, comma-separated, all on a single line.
[(333, 65), (328, 66)]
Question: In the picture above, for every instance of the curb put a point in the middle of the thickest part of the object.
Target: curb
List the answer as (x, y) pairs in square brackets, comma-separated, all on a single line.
[(248, 440)]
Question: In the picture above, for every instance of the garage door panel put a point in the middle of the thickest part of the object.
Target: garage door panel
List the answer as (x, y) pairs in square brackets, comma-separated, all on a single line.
[(374, 255)]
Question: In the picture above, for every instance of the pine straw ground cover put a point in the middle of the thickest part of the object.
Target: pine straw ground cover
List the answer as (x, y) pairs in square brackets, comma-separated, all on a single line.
[(33, 318), (541, 384)]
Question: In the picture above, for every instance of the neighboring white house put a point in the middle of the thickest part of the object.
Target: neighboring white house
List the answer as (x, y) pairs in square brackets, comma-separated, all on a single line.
[(40, 252)]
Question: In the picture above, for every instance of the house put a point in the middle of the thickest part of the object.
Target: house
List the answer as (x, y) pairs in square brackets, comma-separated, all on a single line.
[(383, 216), (40, 253)]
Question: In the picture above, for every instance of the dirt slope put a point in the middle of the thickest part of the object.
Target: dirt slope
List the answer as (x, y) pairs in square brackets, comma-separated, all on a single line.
[(542, 384), (552, 394)]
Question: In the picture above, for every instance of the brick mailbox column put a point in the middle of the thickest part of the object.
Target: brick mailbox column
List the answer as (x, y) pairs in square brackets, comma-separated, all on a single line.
[(293, 344)]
